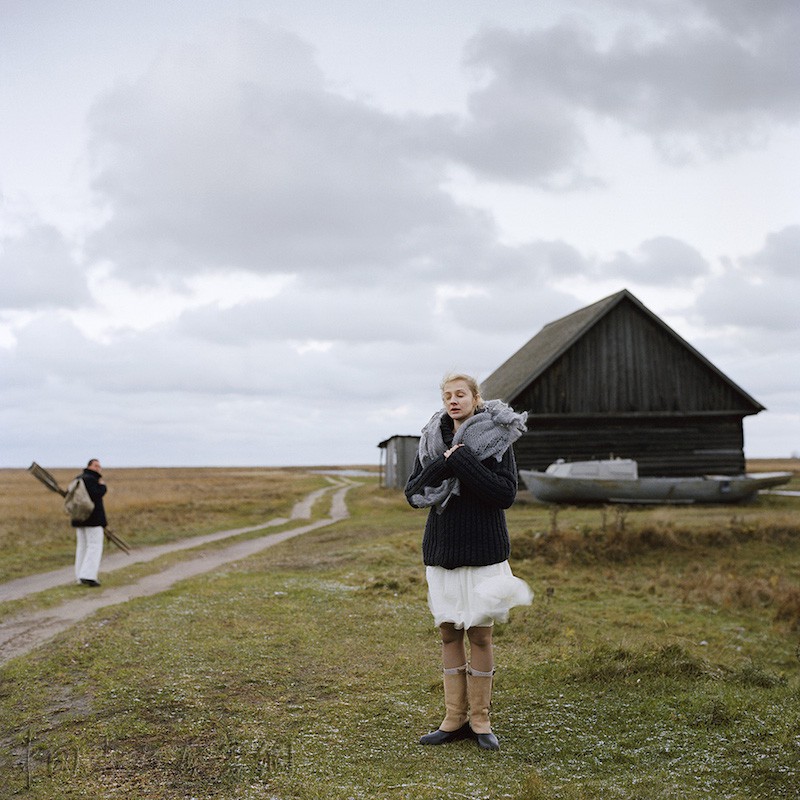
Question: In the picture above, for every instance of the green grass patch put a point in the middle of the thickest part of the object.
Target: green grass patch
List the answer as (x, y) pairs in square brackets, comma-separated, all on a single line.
[(654, 667), (144, 506)]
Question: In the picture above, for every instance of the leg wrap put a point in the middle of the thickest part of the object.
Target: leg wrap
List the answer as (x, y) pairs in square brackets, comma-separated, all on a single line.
[(455, 699), (479, 688)]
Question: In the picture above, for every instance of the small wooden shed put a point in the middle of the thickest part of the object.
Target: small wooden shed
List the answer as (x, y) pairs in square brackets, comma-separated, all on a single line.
[(612, 379), (397, 460)]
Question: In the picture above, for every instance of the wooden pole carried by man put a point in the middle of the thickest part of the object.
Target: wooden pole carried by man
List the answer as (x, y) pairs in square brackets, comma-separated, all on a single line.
[(41, 474)]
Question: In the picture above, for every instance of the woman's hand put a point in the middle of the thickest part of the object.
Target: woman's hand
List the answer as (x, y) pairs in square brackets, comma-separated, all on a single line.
[(447, 453)]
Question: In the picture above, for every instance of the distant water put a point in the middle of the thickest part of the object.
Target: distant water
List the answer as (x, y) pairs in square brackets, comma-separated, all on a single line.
[(348, 473)]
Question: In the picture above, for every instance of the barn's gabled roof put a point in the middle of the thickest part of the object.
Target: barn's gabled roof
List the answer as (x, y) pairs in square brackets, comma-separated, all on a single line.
[(518, 372), (385, 443)]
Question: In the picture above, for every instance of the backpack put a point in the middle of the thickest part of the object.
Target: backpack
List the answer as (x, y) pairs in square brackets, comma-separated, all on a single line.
[(77, 502)]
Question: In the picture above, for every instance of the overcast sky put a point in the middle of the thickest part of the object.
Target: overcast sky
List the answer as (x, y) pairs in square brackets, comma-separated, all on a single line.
[(258, 233)]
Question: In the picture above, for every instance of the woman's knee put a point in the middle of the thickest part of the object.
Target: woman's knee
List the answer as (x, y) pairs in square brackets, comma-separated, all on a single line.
[(451, 634), (480, 637)]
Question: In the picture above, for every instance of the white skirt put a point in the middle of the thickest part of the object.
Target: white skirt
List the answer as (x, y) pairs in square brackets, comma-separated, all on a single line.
[(475, 596)]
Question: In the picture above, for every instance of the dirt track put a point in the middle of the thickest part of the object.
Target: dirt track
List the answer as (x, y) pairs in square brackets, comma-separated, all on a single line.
[(21, 634)]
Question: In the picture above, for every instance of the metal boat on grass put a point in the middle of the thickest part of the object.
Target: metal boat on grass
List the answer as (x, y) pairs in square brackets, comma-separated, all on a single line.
[(616, 480)]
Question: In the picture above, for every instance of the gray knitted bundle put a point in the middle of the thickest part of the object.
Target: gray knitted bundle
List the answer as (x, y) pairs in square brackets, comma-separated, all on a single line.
[(487, 434)]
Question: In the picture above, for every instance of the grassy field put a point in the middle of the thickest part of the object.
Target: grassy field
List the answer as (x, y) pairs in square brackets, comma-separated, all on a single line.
[(145, 506), (659, 659)]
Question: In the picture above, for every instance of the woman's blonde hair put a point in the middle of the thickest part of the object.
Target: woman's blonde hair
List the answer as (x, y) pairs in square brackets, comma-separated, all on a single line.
[(471, 382)]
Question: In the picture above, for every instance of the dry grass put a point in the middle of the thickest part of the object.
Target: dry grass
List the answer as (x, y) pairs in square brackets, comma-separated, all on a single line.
[(145, 506), (702, 541), (774, 465)]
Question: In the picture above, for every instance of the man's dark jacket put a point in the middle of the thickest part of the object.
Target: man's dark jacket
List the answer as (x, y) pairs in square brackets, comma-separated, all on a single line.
[(97, 519)]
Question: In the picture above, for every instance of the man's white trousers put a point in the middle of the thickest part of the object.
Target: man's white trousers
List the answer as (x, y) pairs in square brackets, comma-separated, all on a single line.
[(88, 553)]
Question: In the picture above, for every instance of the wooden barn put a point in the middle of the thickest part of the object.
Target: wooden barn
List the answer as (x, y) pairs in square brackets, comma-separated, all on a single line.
[(612, 379)]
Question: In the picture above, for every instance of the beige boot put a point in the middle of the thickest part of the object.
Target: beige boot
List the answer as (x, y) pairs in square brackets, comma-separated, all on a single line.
[(479, 689), (454, 725)]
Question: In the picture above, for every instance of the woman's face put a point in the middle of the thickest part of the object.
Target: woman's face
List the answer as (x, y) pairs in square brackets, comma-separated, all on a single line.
[(459, 402)]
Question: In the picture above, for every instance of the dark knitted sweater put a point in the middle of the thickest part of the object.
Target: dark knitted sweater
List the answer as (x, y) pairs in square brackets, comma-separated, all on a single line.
[(471, 531)]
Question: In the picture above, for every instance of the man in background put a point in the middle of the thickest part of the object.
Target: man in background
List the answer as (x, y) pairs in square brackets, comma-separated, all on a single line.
[(89, 532)]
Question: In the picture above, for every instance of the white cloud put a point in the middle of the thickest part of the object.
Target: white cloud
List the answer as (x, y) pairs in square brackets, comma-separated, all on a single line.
[(749, 304), (660, 261), (38, 270), (780, 255), (691, 88), (757, 295), (303, 311), (239, 157)]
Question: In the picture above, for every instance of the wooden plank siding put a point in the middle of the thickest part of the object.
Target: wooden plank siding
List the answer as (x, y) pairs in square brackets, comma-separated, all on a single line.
[(397, 461), (626, 365), (671, 446)]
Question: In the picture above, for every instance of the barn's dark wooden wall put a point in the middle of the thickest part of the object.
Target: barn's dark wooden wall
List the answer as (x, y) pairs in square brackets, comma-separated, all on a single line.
[(661, 445), (613, 379)]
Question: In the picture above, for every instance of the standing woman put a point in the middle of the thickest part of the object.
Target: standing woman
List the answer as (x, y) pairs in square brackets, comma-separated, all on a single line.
[(465, 472)]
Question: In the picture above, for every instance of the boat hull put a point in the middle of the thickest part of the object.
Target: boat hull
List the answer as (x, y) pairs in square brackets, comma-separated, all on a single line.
[(700, 489)]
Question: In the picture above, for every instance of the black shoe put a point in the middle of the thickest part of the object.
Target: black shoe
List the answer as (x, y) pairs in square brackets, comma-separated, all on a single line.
[(487, 741), (89, 582), (443, 737)]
